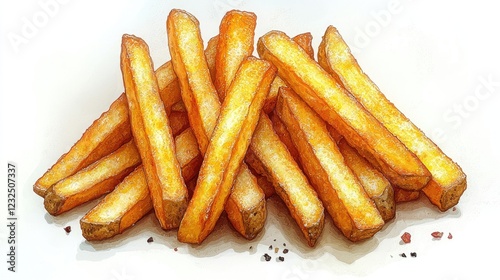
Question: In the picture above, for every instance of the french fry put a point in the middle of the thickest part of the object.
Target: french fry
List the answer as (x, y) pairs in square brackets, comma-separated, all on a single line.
[(448, 180), (227, 148), (188, 154), (334, 104), (152, 133), (353, 212), (377, 187), (93, 181), (120, 209), (269, 157), (304, 40), (204, 101), (236, 40)]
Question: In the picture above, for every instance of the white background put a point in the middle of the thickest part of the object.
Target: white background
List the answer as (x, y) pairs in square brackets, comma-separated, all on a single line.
[(436, 60)]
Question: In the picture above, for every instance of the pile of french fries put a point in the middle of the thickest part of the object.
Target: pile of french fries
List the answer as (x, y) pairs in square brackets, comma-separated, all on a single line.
[(216, 129)]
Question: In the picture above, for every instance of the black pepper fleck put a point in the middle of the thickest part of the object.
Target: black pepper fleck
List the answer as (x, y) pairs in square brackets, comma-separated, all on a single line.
[(267, 257), (270, 247), (175, 249), (281, 259), (284, 244), (403, 255), (285, 251), (150, 239), (413, 254)]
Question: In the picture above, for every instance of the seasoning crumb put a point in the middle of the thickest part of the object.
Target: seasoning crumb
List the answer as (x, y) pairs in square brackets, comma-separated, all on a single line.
[(281, 259), (413, 254), (284, 244), (67, 229), (454, 208), (250, 248), (285, 251), (150, 239), (437, 234), (270, 247), (406, 237), (403, 255), (275, 240), (267, 257), (449, 235), (276, 250), (175, 249)]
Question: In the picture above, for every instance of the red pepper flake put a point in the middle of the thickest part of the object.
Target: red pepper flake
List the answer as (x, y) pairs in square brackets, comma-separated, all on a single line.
[(67, 229), (437, 234), (150, 239), (449, 235), (406, 237)]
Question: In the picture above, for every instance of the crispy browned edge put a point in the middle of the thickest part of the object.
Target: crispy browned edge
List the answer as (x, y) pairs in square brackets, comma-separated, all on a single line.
[(94, 227)]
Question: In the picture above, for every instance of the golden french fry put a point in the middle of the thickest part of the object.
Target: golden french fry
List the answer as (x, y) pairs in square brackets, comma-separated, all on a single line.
[(227, 148), (152, 133), (269, 157), (204, 102), (93, 181), (448, 180), (377, 187), (188, 154), (120, 209), (236, 39), (304, 40), (334, 104), (353, 212)]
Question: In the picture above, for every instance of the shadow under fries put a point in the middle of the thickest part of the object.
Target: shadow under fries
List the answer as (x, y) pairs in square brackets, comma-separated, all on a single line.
[(280, 228)]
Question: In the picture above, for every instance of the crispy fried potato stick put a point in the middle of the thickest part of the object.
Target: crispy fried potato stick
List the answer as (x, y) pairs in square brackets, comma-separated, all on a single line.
[(269, 157), (353, 212), (285, 137), (247, 218), (119, 210), (95, 180), (227, 148), (236, 40), (377, 187), (334, 104), (304, 40), (112, 128), (152, 133), (448, 180)]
